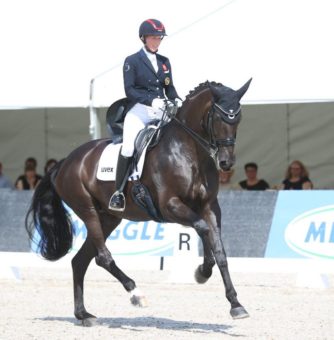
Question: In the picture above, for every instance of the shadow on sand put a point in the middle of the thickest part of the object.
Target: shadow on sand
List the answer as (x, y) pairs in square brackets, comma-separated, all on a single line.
[(142, 323)]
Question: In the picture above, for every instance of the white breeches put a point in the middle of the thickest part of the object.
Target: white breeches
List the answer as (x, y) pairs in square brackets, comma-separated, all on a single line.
[(135, 120)]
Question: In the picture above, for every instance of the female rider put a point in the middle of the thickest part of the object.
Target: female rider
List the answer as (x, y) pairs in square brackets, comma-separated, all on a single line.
[(147, 82)]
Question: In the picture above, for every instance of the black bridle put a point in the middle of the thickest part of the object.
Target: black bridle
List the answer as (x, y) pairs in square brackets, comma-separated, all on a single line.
[(212, 146), (230, 118)]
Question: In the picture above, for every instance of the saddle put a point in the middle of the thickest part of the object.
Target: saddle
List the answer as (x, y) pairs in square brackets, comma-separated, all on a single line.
[(147, 138), (115, 119)]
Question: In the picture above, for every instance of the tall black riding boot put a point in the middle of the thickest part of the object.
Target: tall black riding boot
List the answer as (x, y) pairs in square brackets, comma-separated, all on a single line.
[(117, 200)]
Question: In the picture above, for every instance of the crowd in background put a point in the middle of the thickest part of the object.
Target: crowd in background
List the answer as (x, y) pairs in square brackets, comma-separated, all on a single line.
[(296, 177), (30, 178)]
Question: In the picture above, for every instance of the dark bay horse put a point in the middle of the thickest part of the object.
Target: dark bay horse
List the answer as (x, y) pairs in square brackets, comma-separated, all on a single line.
[(181, 173)]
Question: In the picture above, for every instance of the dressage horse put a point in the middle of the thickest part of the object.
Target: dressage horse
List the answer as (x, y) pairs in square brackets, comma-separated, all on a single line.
[(181, 174)]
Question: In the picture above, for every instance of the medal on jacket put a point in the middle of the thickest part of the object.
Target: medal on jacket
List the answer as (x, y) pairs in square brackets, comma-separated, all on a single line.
[(167, 81)]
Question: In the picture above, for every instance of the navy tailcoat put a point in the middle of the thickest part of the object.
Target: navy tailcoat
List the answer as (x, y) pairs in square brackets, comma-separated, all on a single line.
[(142, 84)]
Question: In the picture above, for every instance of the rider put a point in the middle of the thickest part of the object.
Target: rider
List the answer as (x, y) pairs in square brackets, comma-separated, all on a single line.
[(147, 82)]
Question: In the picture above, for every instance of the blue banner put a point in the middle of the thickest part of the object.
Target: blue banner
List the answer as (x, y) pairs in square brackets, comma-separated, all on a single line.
[(137, 238), (303, 225)]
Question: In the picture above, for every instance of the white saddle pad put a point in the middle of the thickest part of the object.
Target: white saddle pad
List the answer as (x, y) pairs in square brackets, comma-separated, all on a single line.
[(106, 170)]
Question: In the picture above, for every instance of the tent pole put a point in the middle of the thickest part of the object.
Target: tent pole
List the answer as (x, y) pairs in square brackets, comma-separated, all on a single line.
[(95, 125)]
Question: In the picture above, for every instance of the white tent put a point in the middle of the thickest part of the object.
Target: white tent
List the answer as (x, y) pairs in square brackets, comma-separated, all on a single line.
[(52, 50)]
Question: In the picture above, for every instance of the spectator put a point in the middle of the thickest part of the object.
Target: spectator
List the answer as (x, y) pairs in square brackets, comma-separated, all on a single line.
[(50, 163), (5, 183), (32, 161), (296, 177), (30, 178), (252, 182), (225, 180)]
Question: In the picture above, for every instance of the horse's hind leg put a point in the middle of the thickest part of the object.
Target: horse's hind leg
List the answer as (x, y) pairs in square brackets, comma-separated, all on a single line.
[(92, 247), (106, 261), (103, 258), (80, 263)]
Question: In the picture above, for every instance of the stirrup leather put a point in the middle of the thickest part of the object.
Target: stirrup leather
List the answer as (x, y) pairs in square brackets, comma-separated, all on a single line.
[(117, 201)]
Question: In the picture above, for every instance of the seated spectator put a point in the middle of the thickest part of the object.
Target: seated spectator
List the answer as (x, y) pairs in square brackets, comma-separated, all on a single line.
[(252, 182), (296, 177), (30, 178), (5, 183), (225, 180), (50, 163), (32, 161)]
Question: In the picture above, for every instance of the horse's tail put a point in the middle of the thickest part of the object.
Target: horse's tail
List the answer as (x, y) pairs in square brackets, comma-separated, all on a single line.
[(49, 219)]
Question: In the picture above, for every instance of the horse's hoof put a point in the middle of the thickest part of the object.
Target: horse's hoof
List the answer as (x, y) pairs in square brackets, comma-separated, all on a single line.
[(89, 322), (139, 301), (239, 313), (199, 276)]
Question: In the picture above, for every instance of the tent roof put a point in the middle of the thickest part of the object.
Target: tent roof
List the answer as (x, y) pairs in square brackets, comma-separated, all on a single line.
[(52, 49)]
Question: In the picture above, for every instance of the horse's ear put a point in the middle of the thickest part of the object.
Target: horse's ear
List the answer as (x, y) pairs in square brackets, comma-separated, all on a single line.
[(244, 89), (215, 91)]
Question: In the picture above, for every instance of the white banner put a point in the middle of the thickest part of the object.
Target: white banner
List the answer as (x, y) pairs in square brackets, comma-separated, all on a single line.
[(140, 238)]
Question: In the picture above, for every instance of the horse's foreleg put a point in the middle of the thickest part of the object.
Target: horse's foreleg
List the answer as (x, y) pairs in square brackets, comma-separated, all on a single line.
[(214, 239), (204, 271), (177, 211)]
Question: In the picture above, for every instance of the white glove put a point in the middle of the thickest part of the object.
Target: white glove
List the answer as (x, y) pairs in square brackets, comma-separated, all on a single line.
[(178, 102), (158, 104)]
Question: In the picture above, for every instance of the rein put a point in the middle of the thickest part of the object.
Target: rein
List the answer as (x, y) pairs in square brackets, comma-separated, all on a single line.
[(212, 149)]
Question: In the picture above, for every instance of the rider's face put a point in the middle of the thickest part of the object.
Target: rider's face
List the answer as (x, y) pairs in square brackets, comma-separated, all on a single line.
[(153, 42)]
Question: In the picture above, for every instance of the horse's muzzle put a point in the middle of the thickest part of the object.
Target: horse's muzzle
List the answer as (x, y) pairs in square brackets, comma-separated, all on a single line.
[(225, 166), (226, 163)]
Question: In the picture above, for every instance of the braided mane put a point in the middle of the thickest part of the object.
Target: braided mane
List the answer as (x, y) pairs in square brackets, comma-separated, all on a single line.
[(200, 87)]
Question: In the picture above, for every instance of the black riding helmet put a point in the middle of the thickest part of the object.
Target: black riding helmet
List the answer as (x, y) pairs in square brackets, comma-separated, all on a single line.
[(151, 27)]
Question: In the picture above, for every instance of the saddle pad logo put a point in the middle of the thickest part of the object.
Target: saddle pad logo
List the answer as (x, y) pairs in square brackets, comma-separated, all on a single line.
[(107, 169)]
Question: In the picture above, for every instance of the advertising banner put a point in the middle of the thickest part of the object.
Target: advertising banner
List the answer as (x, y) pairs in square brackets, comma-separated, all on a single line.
[(139, 238), (303, 225)]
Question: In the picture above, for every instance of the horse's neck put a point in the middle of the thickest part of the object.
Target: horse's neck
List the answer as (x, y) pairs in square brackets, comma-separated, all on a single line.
[(194, 109)]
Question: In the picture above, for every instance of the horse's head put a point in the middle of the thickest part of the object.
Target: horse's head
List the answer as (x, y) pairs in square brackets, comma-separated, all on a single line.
[(222, 122)]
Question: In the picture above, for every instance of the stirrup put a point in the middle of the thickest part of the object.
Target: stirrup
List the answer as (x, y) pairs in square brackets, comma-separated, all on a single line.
[(117, 202)]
